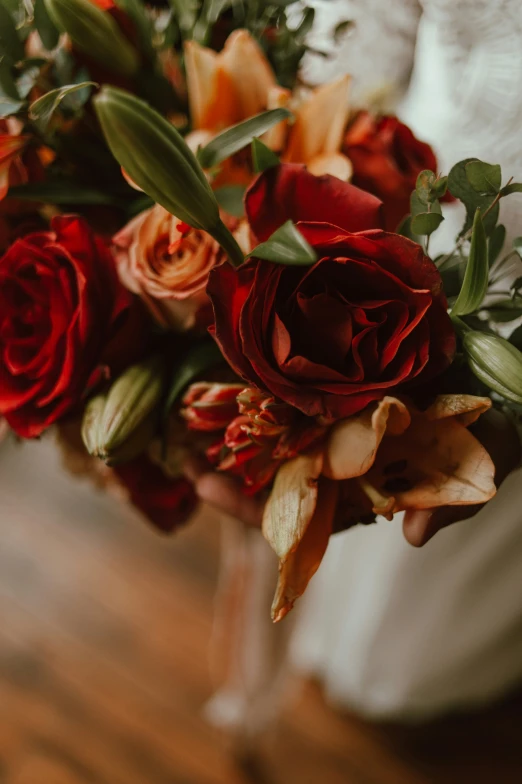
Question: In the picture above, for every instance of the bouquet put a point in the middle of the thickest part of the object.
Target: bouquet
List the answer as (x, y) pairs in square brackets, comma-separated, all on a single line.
[(202, 255)]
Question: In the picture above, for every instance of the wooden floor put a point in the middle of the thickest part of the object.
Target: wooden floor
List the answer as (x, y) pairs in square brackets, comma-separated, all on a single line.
[(104, 627)]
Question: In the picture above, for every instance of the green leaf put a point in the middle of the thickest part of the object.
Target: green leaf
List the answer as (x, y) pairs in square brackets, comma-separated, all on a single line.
[(483, 177), (230, 199), (417, 206), (516, 338), (426, 222), (238, 136), (45, 26), (286, 246), (62, 192), (404, 229), (41, 111), (135, 9), (10, 43), (305, 25), (513, 187), (496, 243), (505, 310), (475, 283), (10, 102), (262, 156), (198, 359), (439, 187), (460, 187)]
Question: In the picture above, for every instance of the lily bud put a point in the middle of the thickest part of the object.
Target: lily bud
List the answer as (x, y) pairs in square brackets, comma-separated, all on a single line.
[(495, 362), (94, 32), (211, 406), (119, 425), (156, 157)]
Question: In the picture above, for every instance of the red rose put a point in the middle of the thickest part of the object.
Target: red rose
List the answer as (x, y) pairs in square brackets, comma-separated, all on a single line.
[(166, 502), (369, 316), (61, 305), (386, 159)]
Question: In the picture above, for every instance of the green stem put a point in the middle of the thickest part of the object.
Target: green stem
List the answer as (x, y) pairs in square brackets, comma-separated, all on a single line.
[(228, 242), (460, 326)]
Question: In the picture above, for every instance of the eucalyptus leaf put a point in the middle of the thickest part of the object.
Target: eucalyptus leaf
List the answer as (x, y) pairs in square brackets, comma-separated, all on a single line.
[(439, 187), (496, 243), (286, 246), (262, 156), (230, 199), (195, 362), (10, 43), (238, 136), (424, 184), (475, 283), (513, 187), (484, 177), (426, 223), (45, 26), (460, 187), (42, 109), (404, 229), (417, 206)]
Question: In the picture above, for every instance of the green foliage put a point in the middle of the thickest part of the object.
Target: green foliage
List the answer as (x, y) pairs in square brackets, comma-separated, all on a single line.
[(262, 156), (513, 187), (426, 222), (286, 246), (10, 44), (41, 110), (230, 199), (63, 192), (238, 136), (475, 283), (460, 187), (485, 178), (496, 243), (10, 101), (45, 26), (505, 310), (195, 362)]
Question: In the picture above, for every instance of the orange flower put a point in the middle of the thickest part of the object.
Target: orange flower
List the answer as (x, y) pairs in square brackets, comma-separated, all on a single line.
[(230, 86), (12, 169), (166, 263), (389, 458)]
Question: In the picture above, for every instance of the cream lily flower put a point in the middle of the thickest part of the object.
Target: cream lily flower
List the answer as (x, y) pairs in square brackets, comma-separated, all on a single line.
[(389, 458), (230, 86)]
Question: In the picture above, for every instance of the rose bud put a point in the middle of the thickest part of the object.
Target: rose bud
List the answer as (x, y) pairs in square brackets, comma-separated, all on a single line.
[(211, 406), (386, 159), (156, 157), (166, 263), (495, 362), (126, 416), (95, 32)]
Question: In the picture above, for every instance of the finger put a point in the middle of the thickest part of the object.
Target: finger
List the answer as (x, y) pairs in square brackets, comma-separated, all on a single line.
[(421, 525), (226, 494)]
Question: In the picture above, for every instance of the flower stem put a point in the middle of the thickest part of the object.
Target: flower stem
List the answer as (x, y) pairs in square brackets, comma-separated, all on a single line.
[(228, 242)]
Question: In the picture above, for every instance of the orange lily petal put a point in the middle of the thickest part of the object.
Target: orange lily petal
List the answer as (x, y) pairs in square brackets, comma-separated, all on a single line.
[(275, 138), (211, 91), (249, 72), (320, 122), (298, 568), (353, 442), (466, 408), (292, 503), (335, 164)]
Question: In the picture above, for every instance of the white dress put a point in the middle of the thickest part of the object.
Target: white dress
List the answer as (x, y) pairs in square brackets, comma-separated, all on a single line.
[(393, 631)]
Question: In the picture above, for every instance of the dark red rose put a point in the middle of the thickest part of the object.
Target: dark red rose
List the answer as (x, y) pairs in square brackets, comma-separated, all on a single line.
[(386, 159), (369, 316), (166, 502), (63, 315)]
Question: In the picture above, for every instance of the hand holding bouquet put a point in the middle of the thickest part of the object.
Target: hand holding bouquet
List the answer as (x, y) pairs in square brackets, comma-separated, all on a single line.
[(345, 368)]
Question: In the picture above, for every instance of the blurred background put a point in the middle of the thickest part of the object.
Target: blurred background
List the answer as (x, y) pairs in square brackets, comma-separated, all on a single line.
[(104, 632)]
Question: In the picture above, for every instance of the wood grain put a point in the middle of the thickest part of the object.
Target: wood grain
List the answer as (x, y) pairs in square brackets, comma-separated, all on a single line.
[(104, 628)]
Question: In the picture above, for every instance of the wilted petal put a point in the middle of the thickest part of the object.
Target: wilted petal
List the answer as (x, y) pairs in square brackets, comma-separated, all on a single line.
[(434, 463), (296, 571), (354, 441), (466, 408), (336, 164), (319, 122), (292, 503)]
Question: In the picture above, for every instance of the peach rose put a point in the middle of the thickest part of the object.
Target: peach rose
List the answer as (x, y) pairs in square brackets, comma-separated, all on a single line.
[(167, 264)]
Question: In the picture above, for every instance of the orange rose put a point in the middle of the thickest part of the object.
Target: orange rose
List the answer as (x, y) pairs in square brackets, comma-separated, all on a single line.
[(167, 264)]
